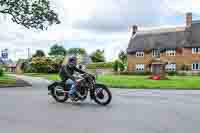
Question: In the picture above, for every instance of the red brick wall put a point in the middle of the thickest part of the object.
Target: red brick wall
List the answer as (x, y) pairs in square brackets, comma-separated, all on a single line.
[(183, 56)]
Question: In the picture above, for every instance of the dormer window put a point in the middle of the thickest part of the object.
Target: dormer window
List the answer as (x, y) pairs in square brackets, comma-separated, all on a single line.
[(171, 52), (140, 54)]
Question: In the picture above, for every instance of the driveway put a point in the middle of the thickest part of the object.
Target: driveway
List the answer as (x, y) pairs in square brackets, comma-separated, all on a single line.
[(31, 110)]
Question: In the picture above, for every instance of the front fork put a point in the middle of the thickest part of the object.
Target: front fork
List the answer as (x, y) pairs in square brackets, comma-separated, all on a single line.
[(92, 90)]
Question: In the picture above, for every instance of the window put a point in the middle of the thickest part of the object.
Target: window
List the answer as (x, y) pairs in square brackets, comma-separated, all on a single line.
[(171, 52), (140, 54), (156, 53), (139, 67), (195, 50), (170, 67), (196, 66)]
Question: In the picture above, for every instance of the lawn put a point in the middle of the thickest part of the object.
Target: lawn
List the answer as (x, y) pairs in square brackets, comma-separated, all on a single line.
[(122, 81), (7, 80), (176, 82), (44, 75)]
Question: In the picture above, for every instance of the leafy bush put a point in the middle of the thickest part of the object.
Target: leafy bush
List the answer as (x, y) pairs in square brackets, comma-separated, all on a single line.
[(116, 66), (55, 64), (1, 71), (41, 64), (121, 66), (29, 69), (184, 67), (100, 65)]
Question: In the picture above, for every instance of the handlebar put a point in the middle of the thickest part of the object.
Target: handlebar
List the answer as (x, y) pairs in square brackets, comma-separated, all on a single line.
[(87, 74)]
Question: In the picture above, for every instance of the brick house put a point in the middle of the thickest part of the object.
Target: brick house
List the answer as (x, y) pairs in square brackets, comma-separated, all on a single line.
[(167, 48)]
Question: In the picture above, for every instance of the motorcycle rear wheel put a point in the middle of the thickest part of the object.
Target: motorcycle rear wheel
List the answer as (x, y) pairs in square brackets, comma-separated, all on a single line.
[(55, 94)]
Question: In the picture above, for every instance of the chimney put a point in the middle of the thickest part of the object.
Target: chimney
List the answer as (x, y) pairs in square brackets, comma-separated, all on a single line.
[(133, 29), (188, 19)]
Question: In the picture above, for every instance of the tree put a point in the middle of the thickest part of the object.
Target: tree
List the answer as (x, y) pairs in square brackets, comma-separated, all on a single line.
[(35, 14), (98, 56), (121, 66), (116, 65), (57, 50), (39, 53), (123, 57), (76, 51), (85, 59)]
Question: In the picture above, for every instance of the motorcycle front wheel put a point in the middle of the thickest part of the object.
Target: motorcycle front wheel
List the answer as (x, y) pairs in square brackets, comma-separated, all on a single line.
[(102, 95)]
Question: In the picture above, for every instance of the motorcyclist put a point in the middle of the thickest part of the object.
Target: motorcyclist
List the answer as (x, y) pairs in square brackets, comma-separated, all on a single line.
[(66, 74)]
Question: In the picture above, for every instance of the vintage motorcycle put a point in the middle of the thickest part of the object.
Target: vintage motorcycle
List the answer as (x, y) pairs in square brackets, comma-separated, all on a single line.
[(86, 84)]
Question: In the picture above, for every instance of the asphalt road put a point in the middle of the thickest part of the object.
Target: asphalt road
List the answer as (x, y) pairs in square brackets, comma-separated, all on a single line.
[(31, 110)]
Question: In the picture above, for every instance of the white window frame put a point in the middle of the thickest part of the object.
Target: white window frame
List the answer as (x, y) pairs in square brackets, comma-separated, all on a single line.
[(195, 50), (170, 67), (139, 67), (155, 53), (171, 52), (196, 66), (139, 54)]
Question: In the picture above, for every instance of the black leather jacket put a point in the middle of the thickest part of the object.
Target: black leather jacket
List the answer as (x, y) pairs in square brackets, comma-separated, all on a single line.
[(66, 72)]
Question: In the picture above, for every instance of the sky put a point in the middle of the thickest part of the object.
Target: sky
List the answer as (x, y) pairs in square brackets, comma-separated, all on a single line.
[(95, 24)]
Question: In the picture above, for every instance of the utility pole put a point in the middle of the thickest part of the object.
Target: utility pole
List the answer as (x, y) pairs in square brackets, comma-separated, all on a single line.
[(28, 53)]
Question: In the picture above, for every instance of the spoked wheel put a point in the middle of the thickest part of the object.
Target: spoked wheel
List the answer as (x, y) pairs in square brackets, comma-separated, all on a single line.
[(102, 95), (58, 94)]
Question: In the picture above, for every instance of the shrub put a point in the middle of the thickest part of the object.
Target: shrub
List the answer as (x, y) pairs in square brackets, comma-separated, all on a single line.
[(184, 67), (29, 69), (100, 65), (116, 66), (40, 64), (1, 71), (121, 67), (55, 64), (43, 64)]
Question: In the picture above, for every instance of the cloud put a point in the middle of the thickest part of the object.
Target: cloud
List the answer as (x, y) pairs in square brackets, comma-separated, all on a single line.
[(93, 24), (117, 15), (184, 6)]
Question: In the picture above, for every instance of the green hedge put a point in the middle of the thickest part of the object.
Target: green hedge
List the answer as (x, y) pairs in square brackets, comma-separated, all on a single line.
[(1, 71), (100, 65)]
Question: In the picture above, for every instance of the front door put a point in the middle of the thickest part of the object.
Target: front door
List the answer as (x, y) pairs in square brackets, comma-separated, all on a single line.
[(156, 69)]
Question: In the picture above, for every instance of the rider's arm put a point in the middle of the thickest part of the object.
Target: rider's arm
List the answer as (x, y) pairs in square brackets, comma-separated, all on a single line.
[(79, 70)]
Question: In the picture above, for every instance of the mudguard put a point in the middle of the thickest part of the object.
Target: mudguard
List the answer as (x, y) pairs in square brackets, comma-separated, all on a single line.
[(51, 86), (96, 86)]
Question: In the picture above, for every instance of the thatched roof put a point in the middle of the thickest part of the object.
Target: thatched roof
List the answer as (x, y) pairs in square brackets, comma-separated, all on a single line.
[(166, 38)]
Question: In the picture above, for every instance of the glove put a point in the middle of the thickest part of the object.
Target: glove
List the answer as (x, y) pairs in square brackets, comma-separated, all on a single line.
[(78, 82)]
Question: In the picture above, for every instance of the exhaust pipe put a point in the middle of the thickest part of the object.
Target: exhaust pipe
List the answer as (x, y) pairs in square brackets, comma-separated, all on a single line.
[(59, 90)]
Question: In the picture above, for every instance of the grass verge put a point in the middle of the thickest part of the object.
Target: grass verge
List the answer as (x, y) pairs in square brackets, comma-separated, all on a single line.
[(131, 81), (7, 80)]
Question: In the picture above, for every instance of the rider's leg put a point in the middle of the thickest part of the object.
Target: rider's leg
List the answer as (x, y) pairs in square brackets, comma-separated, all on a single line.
[(73, 87)]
